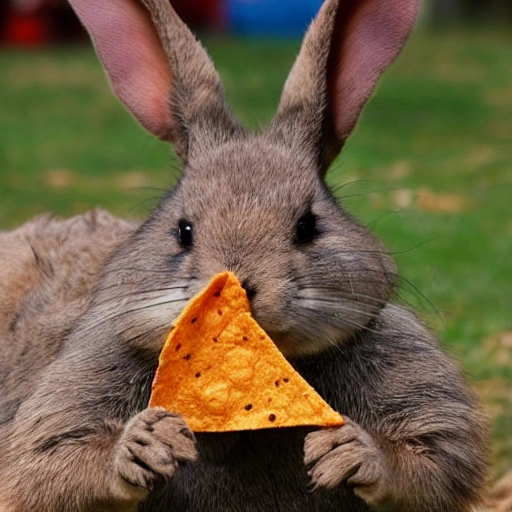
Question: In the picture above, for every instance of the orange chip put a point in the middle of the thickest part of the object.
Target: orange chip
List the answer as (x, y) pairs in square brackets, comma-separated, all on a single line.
[(221, 372)]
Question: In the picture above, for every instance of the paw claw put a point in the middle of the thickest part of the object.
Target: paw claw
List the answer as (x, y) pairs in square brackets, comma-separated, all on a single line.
[(153, 444), (346, 455)]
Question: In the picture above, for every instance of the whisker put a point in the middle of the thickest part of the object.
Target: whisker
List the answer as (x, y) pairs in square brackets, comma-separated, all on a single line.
[(321, 275), (403, 284), (142, 335), (133, 310), (157, 189), (348, 321), (421, 295), (334, 188), (350, 297), (374, 224), (397, 253), (147, 306), (365, 194), (345, 308), (306, 282), (154, 199), (124, 284), (142, 325), (141, 293), (145, 270)]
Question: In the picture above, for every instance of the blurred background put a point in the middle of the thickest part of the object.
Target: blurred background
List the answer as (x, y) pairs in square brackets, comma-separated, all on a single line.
[(36, 22), (428, 169)]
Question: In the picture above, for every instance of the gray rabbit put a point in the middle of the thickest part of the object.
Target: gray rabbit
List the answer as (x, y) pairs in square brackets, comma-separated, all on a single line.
[(86, 303)]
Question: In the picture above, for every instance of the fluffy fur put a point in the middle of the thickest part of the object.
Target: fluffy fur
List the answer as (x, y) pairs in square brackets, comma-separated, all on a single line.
[(86, 303)]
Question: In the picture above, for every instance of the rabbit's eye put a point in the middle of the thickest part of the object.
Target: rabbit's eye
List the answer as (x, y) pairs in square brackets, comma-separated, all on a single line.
[(185, 233), (306, 228)]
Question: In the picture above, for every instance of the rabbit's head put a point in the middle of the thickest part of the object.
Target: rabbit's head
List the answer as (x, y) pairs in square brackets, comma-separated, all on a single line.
[(256, 203)]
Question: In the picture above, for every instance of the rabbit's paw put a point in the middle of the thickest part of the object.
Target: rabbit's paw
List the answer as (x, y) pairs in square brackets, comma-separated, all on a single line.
[(347, 455), (149, 450)]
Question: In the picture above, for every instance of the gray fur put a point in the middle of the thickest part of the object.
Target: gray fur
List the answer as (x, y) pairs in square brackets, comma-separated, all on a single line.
[(86, 305)]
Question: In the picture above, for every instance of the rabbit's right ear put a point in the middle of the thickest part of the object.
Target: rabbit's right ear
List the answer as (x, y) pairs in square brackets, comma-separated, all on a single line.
[(159, 71)]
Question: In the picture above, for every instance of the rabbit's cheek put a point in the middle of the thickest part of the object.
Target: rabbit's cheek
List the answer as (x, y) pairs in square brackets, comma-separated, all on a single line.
[(145, 319)]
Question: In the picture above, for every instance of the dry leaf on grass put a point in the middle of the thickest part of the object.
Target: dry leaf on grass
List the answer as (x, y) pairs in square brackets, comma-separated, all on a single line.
[(442, 203), (132, 180), (500, 97), (480, 156), (403, 198), (499, 348), (400, 170), (496, 395), (502, 494), (499, 498), (59, 178), (426, 200)]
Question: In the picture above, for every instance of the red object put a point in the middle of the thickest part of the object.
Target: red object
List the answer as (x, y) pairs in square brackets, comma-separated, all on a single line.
[(26, 30), (54, 20), (200, 13)]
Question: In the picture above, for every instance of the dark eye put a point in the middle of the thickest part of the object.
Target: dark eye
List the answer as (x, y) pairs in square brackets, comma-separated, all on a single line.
[(185, 233), (306, 228)]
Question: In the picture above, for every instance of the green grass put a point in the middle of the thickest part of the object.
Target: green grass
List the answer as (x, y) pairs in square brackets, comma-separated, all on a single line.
[(429, 169)]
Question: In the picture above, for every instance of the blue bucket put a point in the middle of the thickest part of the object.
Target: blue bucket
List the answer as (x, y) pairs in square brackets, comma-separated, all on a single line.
[(270, 18)]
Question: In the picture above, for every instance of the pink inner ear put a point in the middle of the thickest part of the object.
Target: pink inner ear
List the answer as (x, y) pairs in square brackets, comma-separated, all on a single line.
[(368, 36), (137, 67)]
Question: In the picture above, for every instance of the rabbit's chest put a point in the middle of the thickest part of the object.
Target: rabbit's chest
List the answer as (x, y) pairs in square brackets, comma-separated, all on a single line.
[(260, 471)]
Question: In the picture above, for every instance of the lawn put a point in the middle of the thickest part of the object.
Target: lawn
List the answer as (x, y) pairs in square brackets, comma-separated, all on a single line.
[(429, 169)]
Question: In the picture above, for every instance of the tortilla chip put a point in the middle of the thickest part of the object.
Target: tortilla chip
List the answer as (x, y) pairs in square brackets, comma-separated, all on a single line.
[(221, 372)]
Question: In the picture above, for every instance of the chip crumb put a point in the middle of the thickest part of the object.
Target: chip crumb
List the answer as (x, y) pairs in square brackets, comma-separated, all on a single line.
[(272, 417), (248, 407), (276, 383), (198, 374)]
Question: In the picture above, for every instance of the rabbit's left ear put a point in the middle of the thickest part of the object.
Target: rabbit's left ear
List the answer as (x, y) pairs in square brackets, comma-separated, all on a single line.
[(345, 51)]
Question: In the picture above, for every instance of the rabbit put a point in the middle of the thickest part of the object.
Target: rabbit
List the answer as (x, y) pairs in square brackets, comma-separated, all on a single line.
[(87, 303)]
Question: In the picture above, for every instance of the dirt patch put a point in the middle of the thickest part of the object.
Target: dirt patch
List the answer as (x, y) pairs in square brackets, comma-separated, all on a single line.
[(132, 180), (480, 156), (498, 347), (431, 201), (500, 496), (59, 178)]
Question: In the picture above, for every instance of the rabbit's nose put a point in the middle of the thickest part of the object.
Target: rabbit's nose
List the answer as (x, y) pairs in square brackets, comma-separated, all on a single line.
[(249, 288)]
